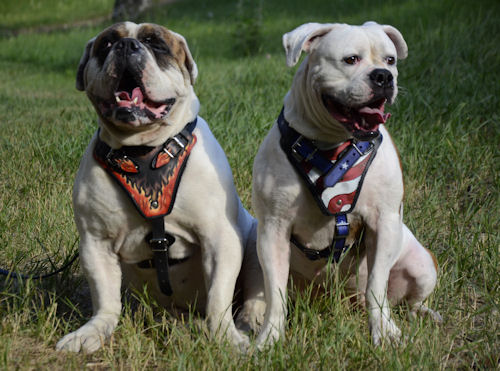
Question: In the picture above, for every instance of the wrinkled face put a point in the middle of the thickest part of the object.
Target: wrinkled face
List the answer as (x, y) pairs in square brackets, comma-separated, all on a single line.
[(353, 70), (134, 74)]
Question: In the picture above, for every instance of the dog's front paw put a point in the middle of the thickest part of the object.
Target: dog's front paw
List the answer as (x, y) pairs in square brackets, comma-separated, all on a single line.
[(88, 338), (268, 338), (243, 344), (385, 331), (251, 317), (84, 339), (236, 339)]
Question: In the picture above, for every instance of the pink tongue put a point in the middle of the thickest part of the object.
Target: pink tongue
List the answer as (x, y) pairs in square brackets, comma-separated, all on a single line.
[(374, 116), (137, 100)]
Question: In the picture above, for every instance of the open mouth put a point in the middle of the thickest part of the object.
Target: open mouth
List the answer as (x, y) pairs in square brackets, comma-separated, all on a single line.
[(362, 119), (130, 102)]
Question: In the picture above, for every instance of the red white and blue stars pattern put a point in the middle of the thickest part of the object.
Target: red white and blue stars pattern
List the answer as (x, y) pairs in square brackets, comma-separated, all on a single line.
[(340, 197)]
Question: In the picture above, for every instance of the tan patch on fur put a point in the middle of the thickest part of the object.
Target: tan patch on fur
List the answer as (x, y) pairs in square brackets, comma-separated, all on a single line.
[(175, 46), (433, 258), (355, 229), (174, 43)]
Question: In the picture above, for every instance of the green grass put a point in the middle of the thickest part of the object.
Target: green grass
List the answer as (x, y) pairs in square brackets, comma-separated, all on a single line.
[(36, 14), (445, 123)]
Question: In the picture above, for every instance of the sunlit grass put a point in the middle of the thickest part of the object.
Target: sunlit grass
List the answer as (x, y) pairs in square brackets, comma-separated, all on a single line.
[(445, 123)]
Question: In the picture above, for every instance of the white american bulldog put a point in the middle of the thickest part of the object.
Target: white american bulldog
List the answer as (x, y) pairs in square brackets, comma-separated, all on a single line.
[(140, 77), (338, 93)]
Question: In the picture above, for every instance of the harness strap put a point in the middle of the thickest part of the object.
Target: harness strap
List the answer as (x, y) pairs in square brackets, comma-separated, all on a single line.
[(343, 164), (340, 235), (336, 248), (160, 242), (150, 263)]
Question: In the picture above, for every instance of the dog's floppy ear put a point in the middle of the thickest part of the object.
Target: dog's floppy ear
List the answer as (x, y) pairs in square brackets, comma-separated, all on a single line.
[(190, 63), (301, 39), (398, 40), (80, 84), (395, 36)]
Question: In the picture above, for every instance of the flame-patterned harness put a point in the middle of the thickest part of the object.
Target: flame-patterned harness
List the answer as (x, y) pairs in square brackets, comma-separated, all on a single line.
[(150, 176)]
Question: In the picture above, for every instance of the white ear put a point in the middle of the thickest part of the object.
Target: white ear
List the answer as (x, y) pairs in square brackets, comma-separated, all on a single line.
[(190, 63), (398, 40), (80, 83), (301, 39), (395, 36)]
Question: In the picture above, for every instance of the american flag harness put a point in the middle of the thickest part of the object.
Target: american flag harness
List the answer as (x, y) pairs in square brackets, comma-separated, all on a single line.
[(150, 176), (333, 176)]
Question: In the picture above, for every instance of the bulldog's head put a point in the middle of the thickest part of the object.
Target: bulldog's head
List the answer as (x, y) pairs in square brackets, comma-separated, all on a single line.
[(136, 75), (350, 71)]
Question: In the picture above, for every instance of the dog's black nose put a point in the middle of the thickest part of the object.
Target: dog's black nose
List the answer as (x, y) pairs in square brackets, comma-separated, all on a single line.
[(128, 45), (382, 78)]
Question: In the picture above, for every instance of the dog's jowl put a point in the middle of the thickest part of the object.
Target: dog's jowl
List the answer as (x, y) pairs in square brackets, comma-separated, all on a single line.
[(154, 198), (327, 181)]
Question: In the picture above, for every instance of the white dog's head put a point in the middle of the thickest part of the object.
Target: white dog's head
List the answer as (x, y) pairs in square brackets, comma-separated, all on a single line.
[(350, 72), (136, 75)]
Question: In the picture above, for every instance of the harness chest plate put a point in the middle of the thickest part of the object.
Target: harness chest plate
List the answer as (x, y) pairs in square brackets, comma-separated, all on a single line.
[(150, 176), (334, 178)]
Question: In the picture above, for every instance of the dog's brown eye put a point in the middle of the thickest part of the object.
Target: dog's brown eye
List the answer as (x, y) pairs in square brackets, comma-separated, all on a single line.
[(353, 59), (390, 60), (104, 47), (151, 41), (156, 44)]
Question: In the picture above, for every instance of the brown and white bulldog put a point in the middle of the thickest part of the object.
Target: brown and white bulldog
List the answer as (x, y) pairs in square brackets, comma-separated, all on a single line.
[(339, 92), (140, 77)]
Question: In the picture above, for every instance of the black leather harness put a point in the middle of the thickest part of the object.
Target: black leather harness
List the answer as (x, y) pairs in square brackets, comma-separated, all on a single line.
[(150, 176)]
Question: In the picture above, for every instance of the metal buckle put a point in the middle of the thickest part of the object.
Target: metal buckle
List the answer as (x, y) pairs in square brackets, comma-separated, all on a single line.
[(162, 244), (109, 154), (179, 144), (370, 147), (338, 236), (357, 149), (167, 152), (296, 144), (110, 157)]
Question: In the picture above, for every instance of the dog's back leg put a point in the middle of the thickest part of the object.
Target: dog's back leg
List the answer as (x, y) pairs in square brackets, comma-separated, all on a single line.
[(420, 267)]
